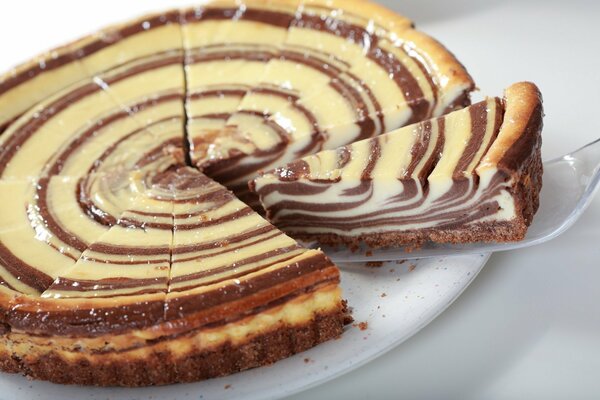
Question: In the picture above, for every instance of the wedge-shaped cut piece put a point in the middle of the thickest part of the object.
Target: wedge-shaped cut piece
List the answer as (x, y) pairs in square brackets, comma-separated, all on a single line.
[(43, 231), (216, 233), (324, 43), (235, 280), (47, 224), (118, 283), (149, 84), (473, 175), (135, 69), (132, 258)]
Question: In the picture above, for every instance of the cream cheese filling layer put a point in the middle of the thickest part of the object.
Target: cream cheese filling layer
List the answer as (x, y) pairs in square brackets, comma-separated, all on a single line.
[(418, 177)]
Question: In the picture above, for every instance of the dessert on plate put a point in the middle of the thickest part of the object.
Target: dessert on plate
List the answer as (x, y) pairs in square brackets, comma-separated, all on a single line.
[(130, 250)]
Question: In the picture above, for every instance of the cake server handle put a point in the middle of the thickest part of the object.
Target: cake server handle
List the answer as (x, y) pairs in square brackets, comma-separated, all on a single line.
[(589, 157), (586, 162)]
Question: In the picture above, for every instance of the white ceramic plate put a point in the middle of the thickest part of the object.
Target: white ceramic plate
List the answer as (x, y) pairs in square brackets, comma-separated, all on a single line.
[(390, 303)]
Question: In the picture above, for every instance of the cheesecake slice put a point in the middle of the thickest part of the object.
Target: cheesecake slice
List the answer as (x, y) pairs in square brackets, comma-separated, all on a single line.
[(472, 175), (241, 293), (93, 321), (131, 258)]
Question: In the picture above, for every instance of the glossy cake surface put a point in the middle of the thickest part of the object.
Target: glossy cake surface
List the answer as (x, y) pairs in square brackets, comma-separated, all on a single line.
[(471, 175), (123, 259)]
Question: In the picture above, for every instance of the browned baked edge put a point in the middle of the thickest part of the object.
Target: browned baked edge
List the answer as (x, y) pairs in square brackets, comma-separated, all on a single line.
[(162, 368), (525, 191)]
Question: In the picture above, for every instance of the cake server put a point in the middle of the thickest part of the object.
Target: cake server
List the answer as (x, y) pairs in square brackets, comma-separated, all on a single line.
[(569, 183)]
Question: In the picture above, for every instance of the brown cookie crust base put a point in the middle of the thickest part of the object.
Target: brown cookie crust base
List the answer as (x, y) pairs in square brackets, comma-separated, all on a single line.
[(162, 368), (525, 190), (414, 239)]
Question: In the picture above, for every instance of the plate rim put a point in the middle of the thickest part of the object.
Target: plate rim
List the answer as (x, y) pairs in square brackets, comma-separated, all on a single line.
[(393, 344)]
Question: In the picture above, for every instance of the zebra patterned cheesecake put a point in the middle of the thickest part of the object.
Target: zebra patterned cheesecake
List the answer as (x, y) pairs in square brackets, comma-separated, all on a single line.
[(472, 175), (123, 258)]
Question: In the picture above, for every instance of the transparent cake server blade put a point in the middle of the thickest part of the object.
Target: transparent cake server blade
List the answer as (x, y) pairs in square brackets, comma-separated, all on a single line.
[(569, 183)]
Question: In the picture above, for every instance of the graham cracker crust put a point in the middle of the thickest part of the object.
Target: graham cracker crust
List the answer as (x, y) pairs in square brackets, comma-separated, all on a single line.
[(162, 368)]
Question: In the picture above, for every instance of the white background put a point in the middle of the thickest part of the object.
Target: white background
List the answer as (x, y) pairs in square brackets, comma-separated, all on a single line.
[(529, 326)]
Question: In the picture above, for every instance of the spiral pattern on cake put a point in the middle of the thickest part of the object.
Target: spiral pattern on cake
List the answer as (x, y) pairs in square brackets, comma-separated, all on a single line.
[(123, 259)]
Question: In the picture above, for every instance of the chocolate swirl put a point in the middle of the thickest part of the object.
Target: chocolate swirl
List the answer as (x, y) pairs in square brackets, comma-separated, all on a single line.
[(110, 146)]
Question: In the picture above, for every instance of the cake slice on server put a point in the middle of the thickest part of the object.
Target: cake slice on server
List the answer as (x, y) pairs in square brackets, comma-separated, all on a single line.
[(472, 175)]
